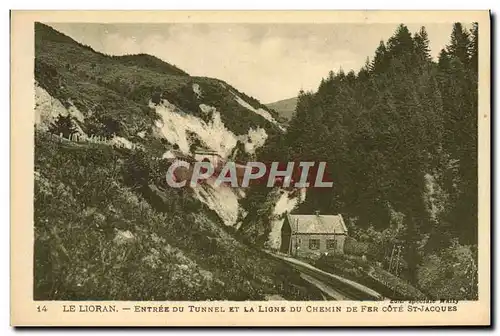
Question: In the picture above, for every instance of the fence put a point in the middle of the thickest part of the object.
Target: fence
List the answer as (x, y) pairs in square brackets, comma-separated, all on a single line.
[(83, 138)]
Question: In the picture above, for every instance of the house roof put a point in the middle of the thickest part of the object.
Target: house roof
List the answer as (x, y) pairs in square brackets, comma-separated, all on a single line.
[(317, 224), (205, 151)]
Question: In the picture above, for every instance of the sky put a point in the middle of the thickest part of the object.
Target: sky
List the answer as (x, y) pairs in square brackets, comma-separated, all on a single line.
[(267, 61)]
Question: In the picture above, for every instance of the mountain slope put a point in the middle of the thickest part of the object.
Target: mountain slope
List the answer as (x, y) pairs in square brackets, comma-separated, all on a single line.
[(107, 227), (70, 71), (285, 108)]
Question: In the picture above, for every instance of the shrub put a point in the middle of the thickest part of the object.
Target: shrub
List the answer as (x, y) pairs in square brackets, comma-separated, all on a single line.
[(352, 246), (450, 273), (63, 125)]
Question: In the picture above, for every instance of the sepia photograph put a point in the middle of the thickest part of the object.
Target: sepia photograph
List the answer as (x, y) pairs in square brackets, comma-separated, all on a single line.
[(256, 161)]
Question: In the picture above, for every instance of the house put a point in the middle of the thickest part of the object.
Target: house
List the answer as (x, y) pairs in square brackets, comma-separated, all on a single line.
[(313, 234)]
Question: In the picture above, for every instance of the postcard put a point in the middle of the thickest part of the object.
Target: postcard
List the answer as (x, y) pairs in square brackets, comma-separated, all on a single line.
[(250, 168)]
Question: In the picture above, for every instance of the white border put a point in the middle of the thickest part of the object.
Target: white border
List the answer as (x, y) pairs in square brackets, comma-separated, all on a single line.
[(186, 4)]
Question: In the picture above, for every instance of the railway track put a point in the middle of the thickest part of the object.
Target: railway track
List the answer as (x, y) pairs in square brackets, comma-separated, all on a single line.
[(332, 286)]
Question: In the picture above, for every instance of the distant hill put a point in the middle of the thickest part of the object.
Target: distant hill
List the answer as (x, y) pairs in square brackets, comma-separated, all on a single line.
[(285, 107)]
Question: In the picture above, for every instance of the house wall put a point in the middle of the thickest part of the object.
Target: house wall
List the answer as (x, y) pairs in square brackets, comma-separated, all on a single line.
[(300, 243)]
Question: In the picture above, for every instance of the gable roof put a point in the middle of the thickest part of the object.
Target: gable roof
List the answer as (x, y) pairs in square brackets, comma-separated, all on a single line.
[(317, 224), (205, 151)]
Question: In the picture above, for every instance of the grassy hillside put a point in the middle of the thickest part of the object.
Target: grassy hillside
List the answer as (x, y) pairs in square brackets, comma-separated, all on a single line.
[(285, 108), (145, 61), (107, 229), (106, 225)]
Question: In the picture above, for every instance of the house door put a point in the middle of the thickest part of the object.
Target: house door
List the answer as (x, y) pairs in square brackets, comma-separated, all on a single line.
[(285, 243)]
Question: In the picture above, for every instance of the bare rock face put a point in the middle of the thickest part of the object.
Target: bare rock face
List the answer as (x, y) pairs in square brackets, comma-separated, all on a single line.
[(123, 237)]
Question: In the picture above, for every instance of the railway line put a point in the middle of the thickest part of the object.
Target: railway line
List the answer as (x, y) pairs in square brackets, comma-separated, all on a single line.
[(332, 286)]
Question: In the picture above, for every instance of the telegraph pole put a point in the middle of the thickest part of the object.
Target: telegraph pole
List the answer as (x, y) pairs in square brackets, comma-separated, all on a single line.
[(397, 261), (392, 258), (296, 236)]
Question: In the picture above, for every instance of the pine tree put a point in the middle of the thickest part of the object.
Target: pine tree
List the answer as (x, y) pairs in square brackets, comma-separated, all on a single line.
[(400, 45), (460, 44), (422, 49), (473, 48), (331, 75), (381, 60), (364, 72), (322, 85), (443, 60)]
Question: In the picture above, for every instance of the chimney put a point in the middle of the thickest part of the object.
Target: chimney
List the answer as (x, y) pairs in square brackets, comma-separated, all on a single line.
[(316, 212)]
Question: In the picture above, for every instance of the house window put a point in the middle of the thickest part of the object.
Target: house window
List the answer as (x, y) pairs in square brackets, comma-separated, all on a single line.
[(314, 244), (331, 244)]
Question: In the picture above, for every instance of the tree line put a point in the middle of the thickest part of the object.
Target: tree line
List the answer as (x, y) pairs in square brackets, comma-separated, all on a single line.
[(399, 136)]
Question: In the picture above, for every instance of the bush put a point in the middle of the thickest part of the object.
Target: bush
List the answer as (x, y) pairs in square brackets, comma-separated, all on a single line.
[(63, 125), (352, 246), (450, 274)]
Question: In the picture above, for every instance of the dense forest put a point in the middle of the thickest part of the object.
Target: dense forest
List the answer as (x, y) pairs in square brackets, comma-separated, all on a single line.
[(400, 141)]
